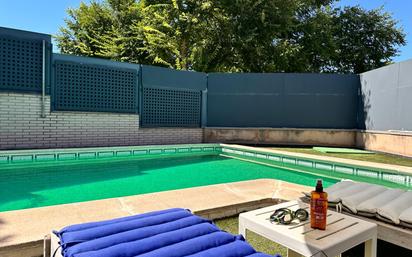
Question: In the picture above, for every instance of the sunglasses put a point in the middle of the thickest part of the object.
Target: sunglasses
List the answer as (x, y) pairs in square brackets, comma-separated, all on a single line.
[(285, 216)]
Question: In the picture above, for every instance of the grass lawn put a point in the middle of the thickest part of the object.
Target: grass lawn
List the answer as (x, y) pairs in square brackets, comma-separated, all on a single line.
[(264, 245), (377, 157)]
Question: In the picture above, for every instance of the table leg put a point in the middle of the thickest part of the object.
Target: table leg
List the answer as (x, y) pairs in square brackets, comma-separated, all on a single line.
[(242, 229), (370, 247), (292, 253)]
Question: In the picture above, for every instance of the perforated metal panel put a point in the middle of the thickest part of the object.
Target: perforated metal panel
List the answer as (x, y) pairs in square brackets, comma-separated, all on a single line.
[(96, 88), (285, 100), (20, 63), (170, 108)]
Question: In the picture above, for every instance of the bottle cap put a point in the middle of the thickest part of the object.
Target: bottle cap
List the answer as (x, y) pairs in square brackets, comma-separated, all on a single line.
[(319, 186)]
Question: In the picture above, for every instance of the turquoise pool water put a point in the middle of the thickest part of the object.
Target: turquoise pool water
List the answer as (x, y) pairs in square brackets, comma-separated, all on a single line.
[(43, 184)]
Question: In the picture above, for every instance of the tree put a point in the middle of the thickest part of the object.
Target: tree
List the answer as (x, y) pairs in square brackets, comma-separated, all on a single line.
[(176, 32), (257, 34), (234, 35), (104, 29), (365, 40), (83, 29)]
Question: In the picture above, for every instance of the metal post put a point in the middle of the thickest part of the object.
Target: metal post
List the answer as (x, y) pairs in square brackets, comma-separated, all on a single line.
[(203, 112), (43, 86)]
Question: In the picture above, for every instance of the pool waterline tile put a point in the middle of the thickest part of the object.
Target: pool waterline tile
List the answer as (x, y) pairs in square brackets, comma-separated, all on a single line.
[(20, 156)]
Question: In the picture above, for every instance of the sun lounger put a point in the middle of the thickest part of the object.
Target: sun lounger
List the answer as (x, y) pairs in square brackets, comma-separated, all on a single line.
[(167, 233), (392, 206), (372, 201)]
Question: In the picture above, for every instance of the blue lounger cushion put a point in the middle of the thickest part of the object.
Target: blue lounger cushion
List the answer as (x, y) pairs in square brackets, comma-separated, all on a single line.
[(168, 233)]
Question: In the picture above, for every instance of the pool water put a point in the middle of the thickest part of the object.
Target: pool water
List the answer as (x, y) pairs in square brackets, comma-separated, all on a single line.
[(28, 186)]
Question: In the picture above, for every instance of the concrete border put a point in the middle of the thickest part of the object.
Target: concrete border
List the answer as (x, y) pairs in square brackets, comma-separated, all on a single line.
[(281, 136), (393, 142)]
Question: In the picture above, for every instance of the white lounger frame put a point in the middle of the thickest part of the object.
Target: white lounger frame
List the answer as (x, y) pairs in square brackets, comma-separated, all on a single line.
[(54, 244), (390, 233)]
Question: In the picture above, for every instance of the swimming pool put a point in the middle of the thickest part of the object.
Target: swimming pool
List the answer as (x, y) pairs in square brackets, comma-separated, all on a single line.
[(42, 178), (21, 188)]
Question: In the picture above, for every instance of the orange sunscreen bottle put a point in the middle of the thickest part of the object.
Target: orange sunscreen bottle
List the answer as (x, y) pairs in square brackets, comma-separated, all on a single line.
[(318, 207)]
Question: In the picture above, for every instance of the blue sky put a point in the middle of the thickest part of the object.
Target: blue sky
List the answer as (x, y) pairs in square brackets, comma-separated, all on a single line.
[(47, 16)]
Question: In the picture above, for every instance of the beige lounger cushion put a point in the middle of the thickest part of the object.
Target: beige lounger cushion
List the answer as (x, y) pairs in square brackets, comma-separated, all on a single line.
[(393, 209), (371, 205), (336, 195), (352, 201), (406, 215), (338, 186)]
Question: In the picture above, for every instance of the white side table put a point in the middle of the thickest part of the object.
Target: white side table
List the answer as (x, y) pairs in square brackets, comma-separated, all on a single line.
[(342, 232)]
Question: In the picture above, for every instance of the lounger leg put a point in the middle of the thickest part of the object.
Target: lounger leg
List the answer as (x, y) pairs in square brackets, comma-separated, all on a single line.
[(370, 247), (47, 245), (292, 253), (54, 246)]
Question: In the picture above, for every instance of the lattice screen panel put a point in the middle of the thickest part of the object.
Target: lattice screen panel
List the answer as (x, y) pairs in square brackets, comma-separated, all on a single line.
[(20, 64), (171, 108), (95, 88)]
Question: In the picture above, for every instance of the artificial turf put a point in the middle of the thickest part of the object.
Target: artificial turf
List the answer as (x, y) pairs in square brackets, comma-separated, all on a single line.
[(264, 245), (260, 243)]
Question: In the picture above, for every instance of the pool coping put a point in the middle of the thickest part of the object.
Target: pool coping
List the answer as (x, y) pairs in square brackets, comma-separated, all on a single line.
[(333, 162), (366, 164), (26, 229), (332, 167), (121, 151)]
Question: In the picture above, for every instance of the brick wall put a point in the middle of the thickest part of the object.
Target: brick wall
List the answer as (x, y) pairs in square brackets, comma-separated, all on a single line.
[(21, 127)]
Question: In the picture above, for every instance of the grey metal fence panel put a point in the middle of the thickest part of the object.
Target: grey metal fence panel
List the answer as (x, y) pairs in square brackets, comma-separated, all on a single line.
[(282, 100), (153, 76), (251, 100), (171, 98), (95, 85), (21, 60), (321, 100), (386, 98)]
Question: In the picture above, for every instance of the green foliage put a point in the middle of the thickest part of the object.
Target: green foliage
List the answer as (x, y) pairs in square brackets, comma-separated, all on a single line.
[(103, 30), (175, 31), (365, 39), (234, 35)]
